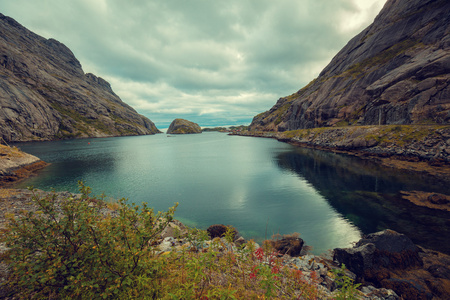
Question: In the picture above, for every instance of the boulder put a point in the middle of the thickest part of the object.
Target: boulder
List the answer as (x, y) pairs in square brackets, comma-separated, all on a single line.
[(219, 230), (290, 245), (377, 252), (181, 126), (388, 259)]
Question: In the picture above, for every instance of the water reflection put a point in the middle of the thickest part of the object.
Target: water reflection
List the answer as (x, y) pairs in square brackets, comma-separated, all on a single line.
[(260, 186), (367, 194)]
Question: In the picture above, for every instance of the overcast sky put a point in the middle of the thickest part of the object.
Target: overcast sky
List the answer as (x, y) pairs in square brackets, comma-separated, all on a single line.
[(209, 61)]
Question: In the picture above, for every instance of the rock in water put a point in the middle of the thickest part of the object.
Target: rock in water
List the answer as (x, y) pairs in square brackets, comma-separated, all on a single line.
[(181, 126), (45, 95), (396, 71)]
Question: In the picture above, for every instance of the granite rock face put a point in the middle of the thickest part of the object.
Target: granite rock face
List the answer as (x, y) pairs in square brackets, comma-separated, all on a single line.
[(396, 71), (181, 126), (45, 95)]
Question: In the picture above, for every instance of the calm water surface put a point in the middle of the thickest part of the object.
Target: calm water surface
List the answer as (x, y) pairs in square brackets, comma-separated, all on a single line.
[(260, 186)]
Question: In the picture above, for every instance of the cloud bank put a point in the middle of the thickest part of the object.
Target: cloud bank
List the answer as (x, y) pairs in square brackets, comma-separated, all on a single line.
[(212, 62)]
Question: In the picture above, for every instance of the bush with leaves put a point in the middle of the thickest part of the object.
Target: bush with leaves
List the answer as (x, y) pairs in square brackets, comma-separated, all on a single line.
[(347, 289), (76, 248)]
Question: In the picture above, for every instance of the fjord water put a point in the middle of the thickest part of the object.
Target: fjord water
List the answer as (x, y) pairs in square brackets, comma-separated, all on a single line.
[(260, 186)]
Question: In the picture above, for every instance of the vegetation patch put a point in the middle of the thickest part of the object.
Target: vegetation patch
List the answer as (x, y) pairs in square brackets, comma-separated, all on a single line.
[(83, 248)]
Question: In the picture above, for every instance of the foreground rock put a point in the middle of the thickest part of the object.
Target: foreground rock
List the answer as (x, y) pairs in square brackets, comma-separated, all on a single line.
[(45, 95), (16, 165), (390, 260), (291, 245), (396, 71), (181, 126)]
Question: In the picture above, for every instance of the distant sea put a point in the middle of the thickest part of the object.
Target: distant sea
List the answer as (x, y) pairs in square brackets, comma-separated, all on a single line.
[(260, 186)]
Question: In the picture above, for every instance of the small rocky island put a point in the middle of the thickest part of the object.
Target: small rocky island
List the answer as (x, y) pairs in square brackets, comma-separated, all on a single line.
[(181, 126)]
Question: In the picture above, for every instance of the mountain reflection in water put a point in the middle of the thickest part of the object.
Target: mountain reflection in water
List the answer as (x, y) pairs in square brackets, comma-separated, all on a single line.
[(260, 186), (368, 195)]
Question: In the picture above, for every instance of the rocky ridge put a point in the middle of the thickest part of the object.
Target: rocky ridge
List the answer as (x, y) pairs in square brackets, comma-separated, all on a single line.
[(45, 94), (181, 126), (396, 71)]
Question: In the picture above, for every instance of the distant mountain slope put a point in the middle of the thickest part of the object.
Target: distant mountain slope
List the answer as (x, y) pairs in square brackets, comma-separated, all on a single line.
[(45, 95), (397, 71)]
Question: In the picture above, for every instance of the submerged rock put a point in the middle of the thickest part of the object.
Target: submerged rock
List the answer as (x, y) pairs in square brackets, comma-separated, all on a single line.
[(181, 126)]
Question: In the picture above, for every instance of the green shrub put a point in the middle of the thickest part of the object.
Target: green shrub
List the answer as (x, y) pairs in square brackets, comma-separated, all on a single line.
[(347, 289), (76, 248)]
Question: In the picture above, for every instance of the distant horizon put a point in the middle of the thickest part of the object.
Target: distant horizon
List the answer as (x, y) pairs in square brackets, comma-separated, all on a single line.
[(164, 129)]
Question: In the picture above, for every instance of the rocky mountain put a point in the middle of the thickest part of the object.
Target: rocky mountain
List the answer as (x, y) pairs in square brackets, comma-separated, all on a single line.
[(45, 95), (396, 71), (181, 126)]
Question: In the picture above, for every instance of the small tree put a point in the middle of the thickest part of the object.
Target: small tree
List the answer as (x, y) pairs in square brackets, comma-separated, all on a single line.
[(75, 248)]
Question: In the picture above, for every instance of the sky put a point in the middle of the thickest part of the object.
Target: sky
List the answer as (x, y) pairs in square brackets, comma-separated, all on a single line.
[(216, 63)]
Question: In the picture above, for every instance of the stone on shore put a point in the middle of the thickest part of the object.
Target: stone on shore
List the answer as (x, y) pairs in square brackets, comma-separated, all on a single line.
[(16, 165)]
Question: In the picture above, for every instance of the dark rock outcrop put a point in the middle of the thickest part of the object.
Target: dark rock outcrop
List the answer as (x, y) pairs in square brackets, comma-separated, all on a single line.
[(219, 231), (290, 245), (378, 251), (45, 95), (181, 126), (396, 71), (391, 260)]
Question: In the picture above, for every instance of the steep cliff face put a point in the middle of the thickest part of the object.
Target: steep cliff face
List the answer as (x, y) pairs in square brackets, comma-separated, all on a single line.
[(397, 71), (45, 95)]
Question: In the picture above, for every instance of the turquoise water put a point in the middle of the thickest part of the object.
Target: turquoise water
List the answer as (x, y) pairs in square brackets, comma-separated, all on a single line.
[(260, 186)]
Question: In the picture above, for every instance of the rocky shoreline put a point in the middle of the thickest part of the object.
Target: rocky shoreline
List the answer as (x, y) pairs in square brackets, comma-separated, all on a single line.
[(16, 165)]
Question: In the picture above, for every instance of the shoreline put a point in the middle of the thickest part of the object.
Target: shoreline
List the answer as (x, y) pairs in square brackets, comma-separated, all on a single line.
[(421, 149), (16, 165)]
